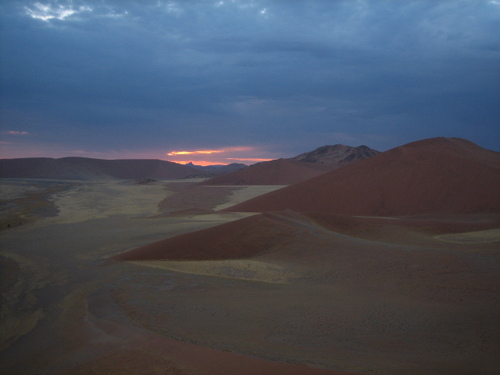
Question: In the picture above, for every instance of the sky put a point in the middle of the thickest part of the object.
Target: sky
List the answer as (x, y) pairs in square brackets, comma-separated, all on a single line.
[(243, 81)]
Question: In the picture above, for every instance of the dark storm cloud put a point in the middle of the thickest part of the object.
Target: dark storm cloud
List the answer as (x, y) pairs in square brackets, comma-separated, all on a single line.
[(130, 75)]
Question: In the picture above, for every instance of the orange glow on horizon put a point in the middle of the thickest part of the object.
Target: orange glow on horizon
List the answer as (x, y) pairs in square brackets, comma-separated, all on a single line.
[(216, 156), (227, 161), (204, 152), (209, 152)]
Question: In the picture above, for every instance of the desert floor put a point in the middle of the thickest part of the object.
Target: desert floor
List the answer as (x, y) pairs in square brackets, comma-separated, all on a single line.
[(331, 295)]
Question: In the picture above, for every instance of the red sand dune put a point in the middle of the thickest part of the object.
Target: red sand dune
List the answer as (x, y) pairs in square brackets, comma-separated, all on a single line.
[(238, 239), (274, 172), (437, 175), (395, 302), (262, 233)]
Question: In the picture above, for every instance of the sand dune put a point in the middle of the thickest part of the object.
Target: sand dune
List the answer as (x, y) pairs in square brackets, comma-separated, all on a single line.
[(260, 234), (243, 238), (281, 292), (439, 175), (366, 294)]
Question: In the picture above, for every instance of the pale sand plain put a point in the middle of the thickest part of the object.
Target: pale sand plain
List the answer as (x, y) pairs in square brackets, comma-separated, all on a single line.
[(55, 277), (355, 298)]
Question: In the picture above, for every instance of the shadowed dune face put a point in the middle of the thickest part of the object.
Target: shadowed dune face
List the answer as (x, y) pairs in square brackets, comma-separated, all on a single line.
[(440, 175), (234, 240), (263, 233)]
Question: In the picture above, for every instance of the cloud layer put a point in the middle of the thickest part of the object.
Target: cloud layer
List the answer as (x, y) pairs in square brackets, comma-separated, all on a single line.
[(283, 76)]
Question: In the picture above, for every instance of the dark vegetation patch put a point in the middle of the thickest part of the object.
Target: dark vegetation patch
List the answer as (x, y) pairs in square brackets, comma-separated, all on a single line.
[(31, 206)]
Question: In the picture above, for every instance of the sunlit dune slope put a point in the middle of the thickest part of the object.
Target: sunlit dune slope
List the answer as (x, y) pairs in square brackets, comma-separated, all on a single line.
[(437, 175)]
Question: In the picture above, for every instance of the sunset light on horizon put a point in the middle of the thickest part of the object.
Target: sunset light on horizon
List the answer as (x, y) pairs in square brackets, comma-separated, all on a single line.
[(204, 157), (202, 152), (222, 156), (223, 162)]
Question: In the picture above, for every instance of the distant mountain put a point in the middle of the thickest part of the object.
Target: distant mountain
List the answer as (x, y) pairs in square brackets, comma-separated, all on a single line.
[(437, 175), (338, 155), (296, 169), (77, 168)]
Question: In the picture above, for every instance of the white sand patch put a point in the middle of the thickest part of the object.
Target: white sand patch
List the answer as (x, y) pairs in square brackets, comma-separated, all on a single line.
[(95, 200), (481, 236), (247, 192), (245, 269)]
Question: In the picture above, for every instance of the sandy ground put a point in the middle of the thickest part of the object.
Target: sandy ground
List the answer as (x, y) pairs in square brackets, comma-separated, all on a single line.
[(246, 193), (54, 277), (103, 199), (363, 297)]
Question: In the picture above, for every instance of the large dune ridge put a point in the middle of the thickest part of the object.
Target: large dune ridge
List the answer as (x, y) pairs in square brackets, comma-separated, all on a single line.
[(401, 279), (437, 175)]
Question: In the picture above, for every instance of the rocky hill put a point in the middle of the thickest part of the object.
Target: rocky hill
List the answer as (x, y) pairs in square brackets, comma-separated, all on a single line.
[(337, 154), (299, 168)]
